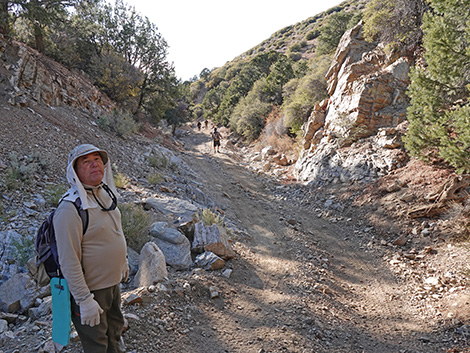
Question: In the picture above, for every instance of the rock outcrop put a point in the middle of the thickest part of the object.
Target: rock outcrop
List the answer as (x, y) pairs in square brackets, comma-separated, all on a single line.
[(367, 101), (29, 77)]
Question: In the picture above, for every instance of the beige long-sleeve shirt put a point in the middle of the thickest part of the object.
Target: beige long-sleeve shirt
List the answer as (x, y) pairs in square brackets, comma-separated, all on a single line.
[(97, 259)]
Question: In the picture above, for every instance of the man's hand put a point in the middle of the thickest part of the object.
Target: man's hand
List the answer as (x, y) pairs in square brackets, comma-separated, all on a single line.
[(125, 274), (90, 312)]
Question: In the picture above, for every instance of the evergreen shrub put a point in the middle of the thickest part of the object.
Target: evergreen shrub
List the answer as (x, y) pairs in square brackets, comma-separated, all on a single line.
[(135, 225)]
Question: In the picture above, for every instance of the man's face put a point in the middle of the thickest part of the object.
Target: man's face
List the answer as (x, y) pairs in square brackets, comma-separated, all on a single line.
[(90, 169)]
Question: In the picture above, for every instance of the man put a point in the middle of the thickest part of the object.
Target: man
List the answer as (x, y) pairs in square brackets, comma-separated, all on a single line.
[(216, 137), (93, 263)]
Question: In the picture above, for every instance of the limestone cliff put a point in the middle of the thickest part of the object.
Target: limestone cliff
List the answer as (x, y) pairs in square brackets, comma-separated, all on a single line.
[(354, 134)]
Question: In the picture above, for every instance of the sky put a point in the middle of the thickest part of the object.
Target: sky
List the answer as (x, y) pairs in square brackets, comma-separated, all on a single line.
[(208, 33)]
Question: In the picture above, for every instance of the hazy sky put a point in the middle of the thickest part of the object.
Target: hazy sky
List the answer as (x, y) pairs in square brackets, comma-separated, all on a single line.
[(208, 33)]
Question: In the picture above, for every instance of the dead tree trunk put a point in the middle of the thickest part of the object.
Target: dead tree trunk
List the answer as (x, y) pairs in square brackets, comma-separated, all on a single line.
[(453, 190)]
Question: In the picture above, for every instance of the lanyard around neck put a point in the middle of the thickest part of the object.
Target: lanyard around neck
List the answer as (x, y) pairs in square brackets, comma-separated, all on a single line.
[(111, 195)]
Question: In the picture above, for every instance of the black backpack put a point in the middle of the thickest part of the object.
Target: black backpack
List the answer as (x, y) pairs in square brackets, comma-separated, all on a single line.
[(46, 245)]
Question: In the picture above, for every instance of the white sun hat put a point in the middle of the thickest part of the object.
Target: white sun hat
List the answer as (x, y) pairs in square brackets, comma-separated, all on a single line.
[(76, 187)]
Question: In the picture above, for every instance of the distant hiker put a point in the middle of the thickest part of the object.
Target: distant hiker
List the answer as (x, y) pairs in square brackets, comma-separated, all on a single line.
[(93, 264), (199, 125), (216, 137), (205, 123)]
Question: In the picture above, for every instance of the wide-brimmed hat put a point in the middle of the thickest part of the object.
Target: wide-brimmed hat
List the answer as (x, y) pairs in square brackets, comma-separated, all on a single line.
[(85, 149), (77, 189)]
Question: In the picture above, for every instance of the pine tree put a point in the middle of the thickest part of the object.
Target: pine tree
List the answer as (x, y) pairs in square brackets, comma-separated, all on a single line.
[(438, 112)]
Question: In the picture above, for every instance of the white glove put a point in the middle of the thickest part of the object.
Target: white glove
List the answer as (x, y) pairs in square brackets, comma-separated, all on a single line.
[(125, 274), (90, 312)]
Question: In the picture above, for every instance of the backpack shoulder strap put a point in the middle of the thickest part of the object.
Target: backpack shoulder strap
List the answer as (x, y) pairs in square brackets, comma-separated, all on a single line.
[(82, 213)]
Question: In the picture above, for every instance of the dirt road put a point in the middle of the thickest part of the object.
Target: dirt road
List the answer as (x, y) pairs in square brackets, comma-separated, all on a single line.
[(300, 283)]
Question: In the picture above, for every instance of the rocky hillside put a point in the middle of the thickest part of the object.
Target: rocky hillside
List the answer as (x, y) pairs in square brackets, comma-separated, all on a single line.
[(305, 32), (30, 78)]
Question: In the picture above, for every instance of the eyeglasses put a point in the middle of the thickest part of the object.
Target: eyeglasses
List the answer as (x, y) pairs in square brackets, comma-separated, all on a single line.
[(111, 194)]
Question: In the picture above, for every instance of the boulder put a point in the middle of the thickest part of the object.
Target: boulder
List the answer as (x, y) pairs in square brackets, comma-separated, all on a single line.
[(133, 261), (45, 308), (174, 245), (18, 293), (3, 326), (8, 253), (209, 261), (212, 238), (177, 208), (152, 266)]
